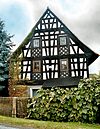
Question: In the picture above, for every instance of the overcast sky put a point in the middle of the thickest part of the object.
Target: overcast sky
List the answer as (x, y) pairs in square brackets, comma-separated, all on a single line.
[(82, 17)]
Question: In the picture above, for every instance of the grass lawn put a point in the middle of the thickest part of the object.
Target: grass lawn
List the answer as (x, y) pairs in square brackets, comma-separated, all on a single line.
[(46, 124)]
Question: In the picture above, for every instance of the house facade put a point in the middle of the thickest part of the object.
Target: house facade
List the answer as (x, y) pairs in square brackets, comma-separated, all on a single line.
[(51, 55)]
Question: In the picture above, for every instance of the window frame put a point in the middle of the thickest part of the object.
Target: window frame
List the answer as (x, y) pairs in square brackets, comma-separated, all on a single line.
[(65, 43), (38, 70), (64, 69), (34, 39)]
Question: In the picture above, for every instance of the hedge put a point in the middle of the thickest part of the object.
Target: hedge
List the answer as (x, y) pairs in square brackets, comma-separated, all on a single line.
[(75, 104)]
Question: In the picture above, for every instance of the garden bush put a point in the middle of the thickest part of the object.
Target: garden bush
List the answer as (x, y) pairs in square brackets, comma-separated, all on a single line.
[(74, 104)]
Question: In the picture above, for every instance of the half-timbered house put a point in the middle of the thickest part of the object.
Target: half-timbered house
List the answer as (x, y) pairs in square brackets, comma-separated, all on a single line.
[(51, 55)]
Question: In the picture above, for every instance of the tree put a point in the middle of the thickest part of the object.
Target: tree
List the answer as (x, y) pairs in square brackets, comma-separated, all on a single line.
[(5, 50)]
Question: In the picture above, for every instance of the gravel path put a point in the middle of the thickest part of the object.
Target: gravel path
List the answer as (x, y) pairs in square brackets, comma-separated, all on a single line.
[(5, 127), (8, 127)]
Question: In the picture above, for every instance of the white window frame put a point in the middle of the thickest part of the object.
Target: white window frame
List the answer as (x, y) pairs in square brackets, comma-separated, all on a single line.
[(34, 88)]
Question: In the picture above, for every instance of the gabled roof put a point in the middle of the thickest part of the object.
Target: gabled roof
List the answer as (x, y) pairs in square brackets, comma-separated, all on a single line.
[(91, 56)]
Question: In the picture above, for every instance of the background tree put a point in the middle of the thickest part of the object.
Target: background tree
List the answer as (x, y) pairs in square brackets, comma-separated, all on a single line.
[(5, 50)]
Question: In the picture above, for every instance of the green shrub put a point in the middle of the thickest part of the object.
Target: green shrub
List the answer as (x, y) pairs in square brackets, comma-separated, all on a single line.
[(75, 104)]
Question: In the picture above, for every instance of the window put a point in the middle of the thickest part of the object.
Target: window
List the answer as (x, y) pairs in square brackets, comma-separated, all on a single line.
[(36, 66), (64, 65), (36, 43), (33, 90), (63, 40)]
